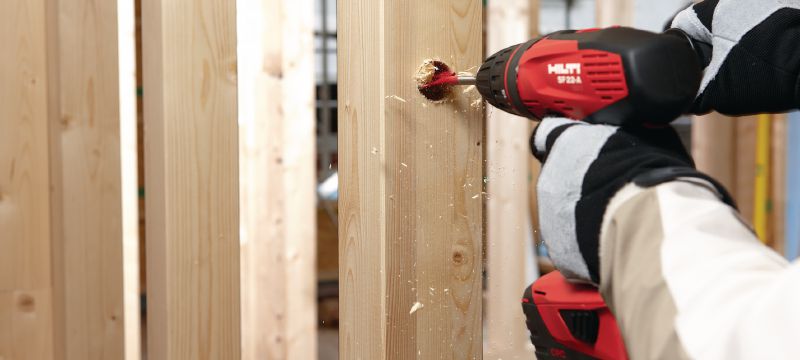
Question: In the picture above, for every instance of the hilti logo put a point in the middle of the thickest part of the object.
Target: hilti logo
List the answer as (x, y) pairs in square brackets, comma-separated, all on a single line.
[(564, 69)]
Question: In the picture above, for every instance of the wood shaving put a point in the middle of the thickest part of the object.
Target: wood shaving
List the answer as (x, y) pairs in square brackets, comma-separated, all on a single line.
[(426, 71), (396, 98), (417, 305)]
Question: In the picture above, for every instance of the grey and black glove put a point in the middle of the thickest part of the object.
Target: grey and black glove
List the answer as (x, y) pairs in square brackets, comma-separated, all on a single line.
[(755, 65), (584, 166)]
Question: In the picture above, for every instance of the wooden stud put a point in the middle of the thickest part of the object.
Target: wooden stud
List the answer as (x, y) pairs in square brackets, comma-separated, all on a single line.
[(746, 136), (96, 236), (714, 148), (191, 177), (25, 252), (614, 12), (410, 183), (508, 221), (778, 178), (277, 160)]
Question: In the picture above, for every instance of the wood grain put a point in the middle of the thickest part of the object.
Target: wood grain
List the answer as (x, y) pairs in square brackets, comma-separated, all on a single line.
[(95, 142), (746, 135), (410, 183), (614, 12), (191, 176), (507, 203), (277, 162), (778, 178), (25, 254), (714, 148)]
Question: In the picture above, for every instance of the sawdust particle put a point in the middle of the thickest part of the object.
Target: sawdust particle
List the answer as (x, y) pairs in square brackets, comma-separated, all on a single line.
[(396, 98), (417, 305)]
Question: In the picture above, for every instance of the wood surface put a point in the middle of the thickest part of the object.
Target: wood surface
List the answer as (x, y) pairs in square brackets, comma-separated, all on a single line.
[(25, 253), (96, 236), (278, 172), (714, 148), (411, 179), (778, 181), (192, 179), (746, 142), (508, 223), (614, 12)]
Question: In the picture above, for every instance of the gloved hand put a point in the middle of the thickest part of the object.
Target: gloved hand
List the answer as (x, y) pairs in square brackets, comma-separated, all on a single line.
[(755, 65), (583, 168)]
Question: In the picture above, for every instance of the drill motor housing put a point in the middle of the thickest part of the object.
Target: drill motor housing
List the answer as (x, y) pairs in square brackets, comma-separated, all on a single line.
[(618, 76)]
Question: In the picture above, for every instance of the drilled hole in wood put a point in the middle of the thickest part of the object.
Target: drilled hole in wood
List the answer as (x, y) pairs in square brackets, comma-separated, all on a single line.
[(430, 71)]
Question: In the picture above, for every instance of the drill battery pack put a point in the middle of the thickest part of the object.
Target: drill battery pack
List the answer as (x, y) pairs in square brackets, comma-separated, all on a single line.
[(570, 321)]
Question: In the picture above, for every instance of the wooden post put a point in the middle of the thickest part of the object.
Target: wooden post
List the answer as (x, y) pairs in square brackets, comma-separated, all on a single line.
[(25, 253), (410, 205), (277, 160), (191, 177), (95, 229), (778, 181), (614, 12), (714, 148), (508, 222)]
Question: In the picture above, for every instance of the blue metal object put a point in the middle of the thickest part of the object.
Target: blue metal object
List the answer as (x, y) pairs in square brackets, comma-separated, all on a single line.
[(793, 188)]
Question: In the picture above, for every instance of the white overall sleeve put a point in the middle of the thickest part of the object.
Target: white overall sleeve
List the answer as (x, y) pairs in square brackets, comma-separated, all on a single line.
[(687, 279)]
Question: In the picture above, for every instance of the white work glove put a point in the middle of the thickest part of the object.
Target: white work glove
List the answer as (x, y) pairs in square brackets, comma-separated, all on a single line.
[(755, 65), (583, 168)]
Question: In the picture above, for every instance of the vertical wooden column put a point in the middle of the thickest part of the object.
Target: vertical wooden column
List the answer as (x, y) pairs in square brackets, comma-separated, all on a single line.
[(410, 207), (614, 12), (714, 147), (507, 204), (94, 144), (25, 251), (191, 170), (277, 161), (778, 175)]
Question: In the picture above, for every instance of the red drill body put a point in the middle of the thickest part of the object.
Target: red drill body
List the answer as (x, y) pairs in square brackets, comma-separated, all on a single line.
[(618, 76)]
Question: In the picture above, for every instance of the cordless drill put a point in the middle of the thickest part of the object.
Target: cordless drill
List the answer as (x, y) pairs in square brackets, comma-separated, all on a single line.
[(618, 76)]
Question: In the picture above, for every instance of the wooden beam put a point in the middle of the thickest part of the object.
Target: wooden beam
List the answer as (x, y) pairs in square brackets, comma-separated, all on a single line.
[(96, 233), (746, 135), (25, 252), (191, 177), (277, 161), (778, 179), (614, 12), (714, 148), (508, 222), (410, 183)]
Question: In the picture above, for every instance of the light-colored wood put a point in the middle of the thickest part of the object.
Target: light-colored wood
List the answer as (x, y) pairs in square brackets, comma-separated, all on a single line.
[(746, 134), (714, 148), (614, 12), (535, 165), (277, 162), (25, 253), (778, 178), (192, 179), (95, 143), (507, 203), (410, 183)]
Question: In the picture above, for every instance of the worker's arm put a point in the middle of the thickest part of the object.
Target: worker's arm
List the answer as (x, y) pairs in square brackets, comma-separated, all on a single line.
[(755, 66), (684, 276)]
